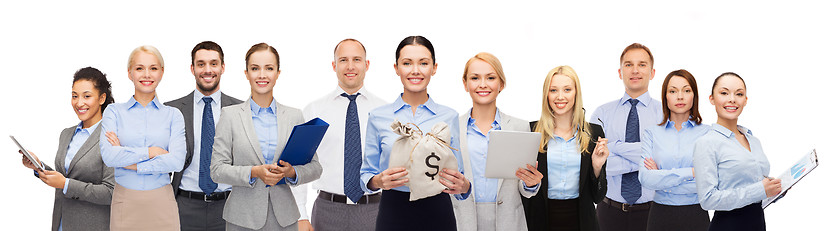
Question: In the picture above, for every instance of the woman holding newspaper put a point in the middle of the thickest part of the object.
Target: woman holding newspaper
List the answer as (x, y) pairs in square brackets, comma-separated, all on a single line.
[(415, 109), (83, 184), (246, 152), (730, 165), (573, 156)]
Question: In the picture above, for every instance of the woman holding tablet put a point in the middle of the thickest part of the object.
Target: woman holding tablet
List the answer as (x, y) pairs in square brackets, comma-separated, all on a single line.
[(668, 152), (249, 139), (143, 140), (496, 203), (574, 154), (83, 183), (730, 165), (415, 65)]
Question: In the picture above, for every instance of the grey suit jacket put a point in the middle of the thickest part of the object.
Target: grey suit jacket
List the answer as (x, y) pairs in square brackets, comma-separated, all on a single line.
[(185, 104), (87, 204), (509, 212), (236, 149)]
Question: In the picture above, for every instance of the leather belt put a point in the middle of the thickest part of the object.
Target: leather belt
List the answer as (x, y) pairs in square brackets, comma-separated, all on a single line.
[(366, 199), (627, 207), (216, 196)]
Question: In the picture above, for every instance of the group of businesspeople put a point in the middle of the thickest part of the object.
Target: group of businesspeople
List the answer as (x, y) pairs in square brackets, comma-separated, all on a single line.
[(208, 161)]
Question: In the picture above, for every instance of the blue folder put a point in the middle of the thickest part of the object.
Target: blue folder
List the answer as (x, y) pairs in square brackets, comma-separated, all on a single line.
[(303, 142)]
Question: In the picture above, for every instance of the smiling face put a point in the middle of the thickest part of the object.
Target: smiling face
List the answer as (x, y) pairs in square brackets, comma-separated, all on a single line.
[(145, 72), (207, 69), (561, 95), (729, 96), (350, 66), (680, 96), (262, 72), (87, 101), (483, 83), (636, 71), (415, 68)]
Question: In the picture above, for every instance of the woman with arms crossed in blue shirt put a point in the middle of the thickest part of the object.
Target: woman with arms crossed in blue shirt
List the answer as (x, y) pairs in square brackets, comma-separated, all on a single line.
[(246, 152), (143, 140), (415, 64), (496, 204), (668, 152), (730, 165), (83, 183)]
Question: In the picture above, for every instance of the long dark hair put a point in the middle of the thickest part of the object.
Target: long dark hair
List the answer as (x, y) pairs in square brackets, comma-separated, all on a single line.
[(416, 40), (100, 82), (694, 114)]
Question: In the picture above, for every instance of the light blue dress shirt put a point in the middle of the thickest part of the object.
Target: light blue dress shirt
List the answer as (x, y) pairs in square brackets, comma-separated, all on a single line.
[(139, 128), (380, 137), (563, 158), (189, 181), (673, 152), (728, 175), (80, 136), (625, 157), (477, 142), (265, 124)]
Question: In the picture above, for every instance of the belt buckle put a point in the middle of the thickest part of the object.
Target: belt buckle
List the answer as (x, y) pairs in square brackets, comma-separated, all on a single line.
[(625, 207), (205, 198)]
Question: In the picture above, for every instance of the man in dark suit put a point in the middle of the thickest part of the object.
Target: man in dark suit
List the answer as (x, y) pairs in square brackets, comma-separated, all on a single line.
[(200, 200)]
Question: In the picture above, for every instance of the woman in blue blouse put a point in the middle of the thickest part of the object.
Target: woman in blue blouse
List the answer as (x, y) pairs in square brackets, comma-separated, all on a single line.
[(415, 65), (83, 184), (668, 150), (143, 140), (573, 155), (496, 203), (730, 165), (246, 152)]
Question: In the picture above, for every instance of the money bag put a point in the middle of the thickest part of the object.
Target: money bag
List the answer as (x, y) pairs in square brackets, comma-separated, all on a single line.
[(410, 134), (431, 155)]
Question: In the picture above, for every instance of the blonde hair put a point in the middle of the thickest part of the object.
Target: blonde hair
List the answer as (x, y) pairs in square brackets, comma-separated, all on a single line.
[(545, 126), (489, 59), (149, 50)]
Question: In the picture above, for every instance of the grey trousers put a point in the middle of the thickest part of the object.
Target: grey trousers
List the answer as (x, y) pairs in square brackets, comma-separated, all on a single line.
[(270, 223), (328, 215), (200, 215)]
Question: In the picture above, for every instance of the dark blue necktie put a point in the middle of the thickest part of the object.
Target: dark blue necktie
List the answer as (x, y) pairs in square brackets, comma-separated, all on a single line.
[(352, 151), (208, 131), (631, 189)]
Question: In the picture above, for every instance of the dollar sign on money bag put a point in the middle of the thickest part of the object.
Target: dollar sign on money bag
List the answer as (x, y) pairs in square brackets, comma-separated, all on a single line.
[(430, 165)]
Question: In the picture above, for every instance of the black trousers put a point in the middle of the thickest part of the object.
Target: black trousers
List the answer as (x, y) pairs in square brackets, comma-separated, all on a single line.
[(563, 215), (613, 219), (431, 213), (750, 217), (200, 215), (671, 217)]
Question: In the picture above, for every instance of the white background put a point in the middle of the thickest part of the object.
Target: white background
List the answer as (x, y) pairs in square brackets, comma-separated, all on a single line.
[(787, 53)]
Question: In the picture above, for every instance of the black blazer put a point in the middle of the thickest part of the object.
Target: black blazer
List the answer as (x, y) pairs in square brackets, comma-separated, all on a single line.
[(592, 190), (185, 104)]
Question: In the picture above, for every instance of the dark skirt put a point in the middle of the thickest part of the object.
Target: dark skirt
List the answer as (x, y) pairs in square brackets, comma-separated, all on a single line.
[(750, 217), (671, 217), (431, 213), (563, 215)]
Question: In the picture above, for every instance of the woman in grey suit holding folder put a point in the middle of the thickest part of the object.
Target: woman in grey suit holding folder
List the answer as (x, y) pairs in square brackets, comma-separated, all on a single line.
[(496, 203), (82, 182), (246, 152)]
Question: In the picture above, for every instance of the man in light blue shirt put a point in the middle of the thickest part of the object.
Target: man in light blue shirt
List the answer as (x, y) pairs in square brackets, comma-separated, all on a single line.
[(627, 203), (199, 210)]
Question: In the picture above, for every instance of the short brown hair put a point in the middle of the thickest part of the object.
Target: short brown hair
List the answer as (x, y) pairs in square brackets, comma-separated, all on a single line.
[(636, 46), (261, 47), (208, 45), (694, 114)]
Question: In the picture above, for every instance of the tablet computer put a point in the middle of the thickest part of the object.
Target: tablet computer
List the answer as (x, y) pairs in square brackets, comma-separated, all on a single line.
[(509, 151), (37, 164)]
